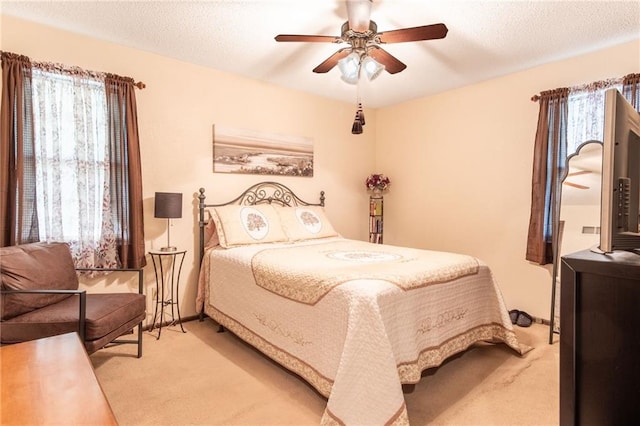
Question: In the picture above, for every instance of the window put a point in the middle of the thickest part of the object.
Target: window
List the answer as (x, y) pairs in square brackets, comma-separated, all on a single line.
[(567, 118), (73, 162)]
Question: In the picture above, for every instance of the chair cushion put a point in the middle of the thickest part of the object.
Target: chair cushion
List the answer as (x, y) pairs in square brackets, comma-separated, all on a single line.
[(35, 266), (105, 313)]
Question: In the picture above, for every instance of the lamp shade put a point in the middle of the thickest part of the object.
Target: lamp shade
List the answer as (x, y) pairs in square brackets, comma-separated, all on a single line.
[(168, 205), (350, 68), (372, 68)]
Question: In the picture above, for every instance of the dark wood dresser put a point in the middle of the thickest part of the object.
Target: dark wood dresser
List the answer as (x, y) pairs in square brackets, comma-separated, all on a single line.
[(600, 339)]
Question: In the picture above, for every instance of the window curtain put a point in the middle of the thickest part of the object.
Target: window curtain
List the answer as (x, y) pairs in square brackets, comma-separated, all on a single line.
[(549, 162), (18, 219), (586, 112), (125, 186), (123, 173), (72, 164), (631, 89)]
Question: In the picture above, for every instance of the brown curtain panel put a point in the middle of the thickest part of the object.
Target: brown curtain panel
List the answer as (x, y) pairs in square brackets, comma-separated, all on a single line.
[(549, 158), (631, 89), (126, 170), (18, 218)]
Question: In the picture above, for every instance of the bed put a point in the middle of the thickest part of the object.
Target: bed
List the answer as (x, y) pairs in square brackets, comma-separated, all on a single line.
[(356, 320)]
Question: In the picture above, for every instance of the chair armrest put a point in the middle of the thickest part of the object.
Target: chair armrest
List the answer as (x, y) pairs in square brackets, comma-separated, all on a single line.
[(82, 309), (138, 270), (43, 291)]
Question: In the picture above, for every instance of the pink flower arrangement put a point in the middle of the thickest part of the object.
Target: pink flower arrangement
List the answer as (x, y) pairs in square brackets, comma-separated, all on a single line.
[(377, 181)]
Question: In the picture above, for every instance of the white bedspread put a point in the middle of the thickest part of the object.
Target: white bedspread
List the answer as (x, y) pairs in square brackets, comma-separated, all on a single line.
[(362, 340)]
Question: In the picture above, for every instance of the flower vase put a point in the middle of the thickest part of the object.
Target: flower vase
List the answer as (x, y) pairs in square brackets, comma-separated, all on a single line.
[(377, 193)]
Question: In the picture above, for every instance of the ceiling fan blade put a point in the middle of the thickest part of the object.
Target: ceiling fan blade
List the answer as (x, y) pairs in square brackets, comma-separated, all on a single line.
[(332, 60), (359, 13), (575, 185), (308, 38), (425, 32), (581, 172), (391, 64)]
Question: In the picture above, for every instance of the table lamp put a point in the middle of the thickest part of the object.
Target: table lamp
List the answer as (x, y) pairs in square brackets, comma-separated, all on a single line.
[(168, 205)]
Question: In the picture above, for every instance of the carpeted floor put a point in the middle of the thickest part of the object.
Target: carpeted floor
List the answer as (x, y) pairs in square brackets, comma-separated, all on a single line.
[(209, 378)]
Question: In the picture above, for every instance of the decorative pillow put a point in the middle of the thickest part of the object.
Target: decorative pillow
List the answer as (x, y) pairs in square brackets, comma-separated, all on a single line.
[(305, 223), (241, 225), (210, 235)]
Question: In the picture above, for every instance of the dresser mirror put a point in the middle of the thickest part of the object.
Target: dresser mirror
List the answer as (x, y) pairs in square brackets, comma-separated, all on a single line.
[(579, 212)]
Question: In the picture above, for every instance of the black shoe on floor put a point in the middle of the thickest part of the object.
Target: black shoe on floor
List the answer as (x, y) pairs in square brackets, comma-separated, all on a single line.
[(524, 319), (513, 314)]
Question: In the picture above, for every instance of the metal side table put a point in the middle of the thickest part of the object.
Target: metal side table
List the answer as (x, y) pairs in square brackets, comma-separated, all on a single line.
[(166, 289)]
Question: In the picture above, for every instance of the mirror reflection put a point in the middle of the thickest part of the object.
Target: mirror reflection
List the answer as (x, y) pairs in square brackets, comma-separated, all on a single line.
[(579, 227), (580, 200)]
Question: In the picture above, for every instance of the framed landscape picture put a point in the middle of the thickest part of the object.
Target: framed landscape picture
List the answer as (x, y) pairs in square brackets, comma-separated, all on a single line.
[(250, 152)]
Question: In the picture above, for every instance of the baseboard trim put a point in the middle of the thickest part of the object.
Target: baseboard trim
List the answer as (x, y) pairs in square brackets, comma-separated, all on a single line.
[(542, 321), (167, 323)]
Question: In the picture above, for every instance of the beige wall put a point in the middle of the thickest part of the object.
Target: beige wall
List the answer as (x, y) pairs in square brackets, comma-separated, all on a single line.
[(176, 113), (460, 163), (575, 218)]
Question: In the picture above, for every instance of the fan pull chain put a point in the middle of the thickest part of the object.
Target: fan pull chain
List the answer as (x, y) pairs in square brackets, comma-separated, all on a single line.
[(356, 129), (359, 121)]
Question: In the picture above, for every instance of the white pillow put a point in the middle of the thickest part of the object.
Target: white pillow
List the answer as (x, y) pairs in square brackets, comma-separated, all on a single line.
[(241, 225), (305, 222)]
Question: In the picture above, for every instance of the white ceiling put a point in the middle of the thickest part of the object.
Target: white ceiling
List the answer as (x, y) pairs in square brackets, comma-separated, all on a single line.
[(486, 39)]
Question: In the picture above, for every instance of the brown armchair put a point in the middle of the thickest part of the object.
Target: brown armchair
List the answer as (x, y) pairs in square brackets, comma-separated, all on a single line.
[(40, 298)]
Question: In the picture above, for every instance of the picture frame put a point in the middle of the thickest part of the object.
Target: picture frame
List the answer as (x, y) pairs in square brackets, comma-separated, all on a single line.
[(247, 151)]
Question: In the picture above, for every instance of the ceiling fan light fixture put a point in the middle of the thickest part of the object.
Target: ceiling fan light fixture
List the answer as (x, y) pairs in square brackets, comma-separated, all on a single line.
[(359, 12), (350, 68), (372, 68), (349, 79)]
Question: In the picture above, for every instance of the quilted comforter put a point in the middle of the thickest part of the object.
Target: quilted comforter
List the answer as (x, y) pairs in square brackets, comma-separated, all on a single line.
[(354, 319)]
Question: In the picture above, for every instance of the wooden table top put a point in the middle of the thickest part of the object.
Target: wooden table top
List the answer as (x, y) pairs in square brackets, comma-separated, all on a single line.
[(51, 381)]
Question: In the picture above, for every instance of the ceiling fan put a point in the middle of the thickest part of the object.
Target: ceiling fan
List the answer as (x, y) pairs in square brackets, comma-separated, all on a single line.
[(361, 33), (576, 185)]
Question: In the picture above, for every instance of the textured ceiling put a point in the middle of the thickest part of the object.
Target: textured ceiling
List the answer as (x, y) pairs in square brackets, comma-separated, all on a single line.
[(486, 39)]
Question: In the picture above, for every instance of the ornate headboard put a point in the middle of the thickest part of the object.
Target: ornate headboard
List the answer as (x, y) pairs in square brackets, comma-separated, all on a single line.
[(260, 193)]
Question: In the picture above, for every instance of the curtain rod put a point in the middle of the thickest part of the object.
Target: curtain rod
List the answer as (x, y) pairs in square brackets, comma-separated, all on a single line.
[(73, 70), (593, 85)]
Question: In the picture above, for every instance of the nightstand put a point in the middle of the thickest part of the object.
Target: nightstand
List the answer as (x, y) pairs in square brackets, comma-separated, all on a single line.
[(167, 286)]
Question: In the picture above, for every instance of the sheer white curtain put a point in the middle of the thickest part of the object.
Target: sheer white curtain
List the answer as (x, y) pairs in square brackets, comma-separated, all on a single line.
[(72, 165), (585, 120)]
